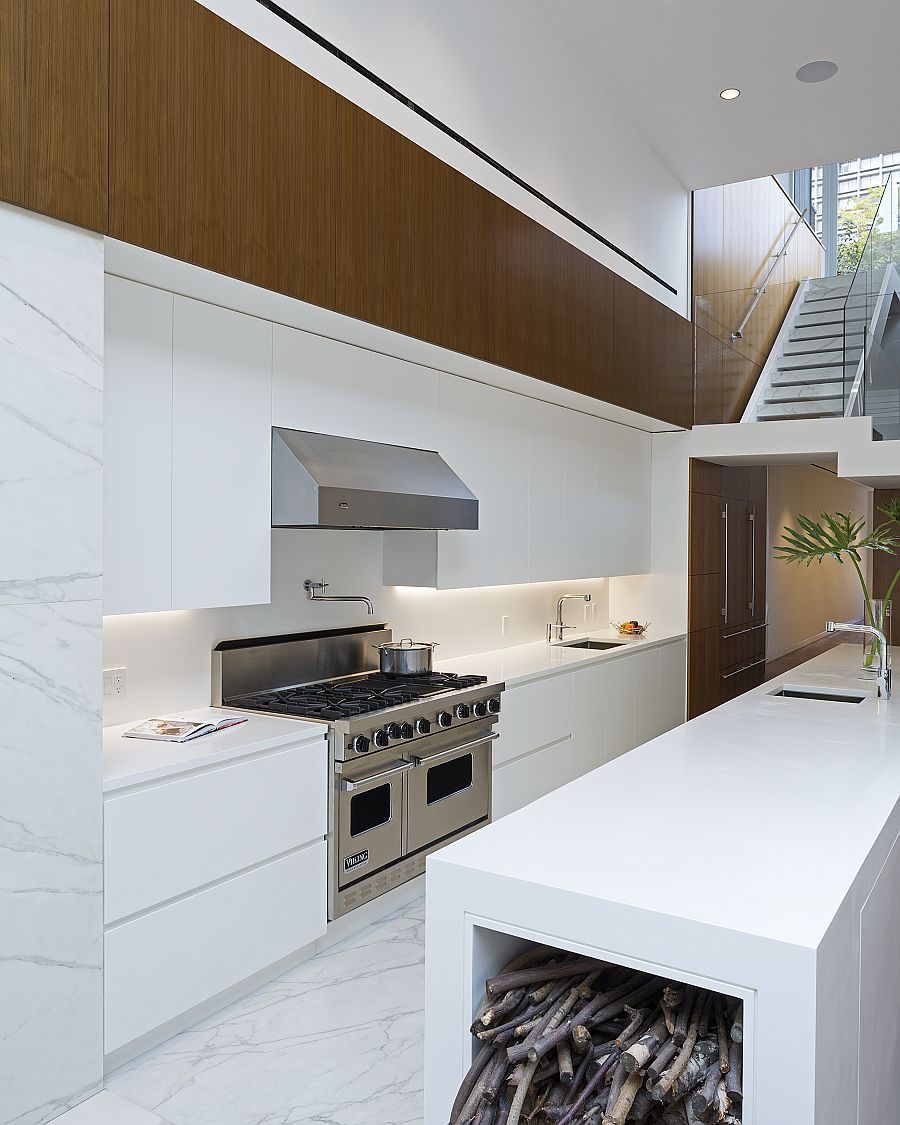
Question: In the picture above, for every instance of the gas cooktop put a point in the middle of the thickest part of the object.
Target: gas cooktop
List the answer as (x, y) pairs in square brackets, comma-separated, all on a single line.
[(330, 700)]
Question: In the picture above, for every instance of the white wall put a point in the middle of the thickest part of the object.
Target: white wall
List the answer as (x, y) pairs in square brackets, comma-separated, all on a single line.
[(168, 654), (802, 598), (502, 76), (51, 308)]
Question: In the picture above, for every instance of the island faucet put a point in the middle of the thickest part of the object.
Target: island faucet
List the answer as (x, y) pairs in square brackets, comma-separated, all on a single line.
[(884, 672), (556, 629), (314, 593)]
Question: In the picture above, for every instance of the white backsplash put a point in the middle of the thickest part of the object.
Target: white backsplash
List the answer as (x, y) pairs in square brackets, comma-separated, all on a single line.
[(51, 339), (167, 655)]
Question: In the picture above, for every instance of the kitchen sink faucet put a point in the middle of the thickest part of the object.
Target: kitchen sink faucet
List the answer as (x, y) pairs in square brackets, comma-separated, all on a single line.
[(884, 672), (315, 591), (556, 629)]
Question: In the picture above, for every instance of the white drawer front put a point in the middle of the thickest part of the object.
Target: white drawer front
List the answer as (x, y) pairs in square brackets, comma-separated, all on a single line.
[(164, 963), (534, 715), (518, 783), (167, 839)]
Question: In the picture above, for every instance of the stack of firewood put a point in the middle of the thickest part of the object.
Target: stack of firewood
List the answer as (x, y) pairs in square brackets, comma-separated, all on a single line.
[(562, 1039)]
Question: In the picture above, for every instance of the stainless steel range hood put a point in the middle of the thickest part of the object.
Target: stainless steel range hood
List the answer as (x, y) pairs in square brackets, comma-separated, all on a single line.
[(319, 480)]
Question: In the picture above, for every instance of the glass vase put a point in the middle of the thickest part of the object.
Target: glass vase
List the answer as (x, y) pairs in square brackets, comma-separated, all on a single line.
[(880, 617)]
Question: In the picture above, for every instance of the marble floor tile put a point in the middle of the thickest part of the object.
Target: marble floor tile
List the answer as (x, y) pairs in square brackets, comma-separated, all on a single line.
[(107, 1108), (337, 1040)]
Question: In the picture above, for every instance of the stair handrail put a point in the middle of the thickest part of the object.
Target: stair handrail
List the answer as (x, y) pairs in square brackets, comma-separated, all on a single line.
[(770, 367), (738, 334)]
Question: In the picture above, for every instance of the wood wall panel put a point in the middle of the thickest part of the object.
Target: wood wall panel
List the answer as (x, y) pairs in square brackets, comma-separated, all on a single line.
[(53, 108), (737, 231), (222, 153), (425, 251), (163, 125)]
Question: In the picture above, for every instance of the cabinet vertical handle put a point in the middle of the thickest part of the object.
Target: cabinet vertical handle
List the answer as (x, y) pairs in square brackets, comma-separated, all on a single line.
[(725, 560), (751, 605)]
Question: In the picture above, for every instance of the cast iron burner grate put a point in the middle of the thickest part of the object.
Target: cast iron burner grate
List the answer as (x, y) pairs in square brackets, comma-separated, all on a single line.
[(360, 695)]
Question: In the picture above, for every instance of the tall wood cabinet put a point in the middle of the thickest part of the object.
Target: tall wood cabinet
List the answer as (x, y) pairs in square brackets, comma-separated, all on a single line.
[(727, 583)]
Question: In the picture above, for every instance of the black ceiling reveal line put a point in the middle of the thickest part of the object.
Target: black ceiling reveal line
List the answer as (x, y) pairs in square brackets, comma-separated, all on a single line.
[(320, 41)]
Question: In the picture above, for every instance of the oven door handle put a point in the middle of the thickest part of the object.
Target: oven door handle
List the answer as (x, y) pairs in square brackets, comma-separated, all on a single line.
[(441, 754), (348, 784)]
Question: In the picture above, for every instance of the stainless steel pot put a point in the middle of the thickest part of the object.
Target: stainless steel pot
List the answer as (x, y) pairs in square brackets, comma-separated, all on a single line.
[(406, 657)]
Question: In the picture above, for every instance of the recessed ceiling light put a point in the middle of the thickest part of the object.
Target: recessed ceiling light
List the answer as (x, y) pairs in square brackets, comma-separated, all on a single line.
[(819, 71), (730, 94)]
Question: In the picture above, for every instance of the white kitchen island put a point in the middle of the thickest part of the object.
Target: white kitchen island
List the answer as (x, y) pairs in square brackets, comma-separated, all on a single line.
[(751, 851)]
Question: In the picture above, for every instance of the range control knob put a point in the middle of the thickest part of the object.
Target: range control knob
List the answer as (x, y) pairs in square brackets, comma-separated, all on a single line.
[(494, 705), (423, 726), (406, 730), (394, 730), (479, 709), (461, 710), (444, 719), (360, 744), (381, 738)]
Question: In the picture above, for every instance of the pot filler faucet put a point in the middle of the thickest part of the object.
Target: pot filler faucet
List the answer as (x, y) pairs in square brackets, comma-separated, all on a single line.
[(556, 630), (884, 672), (315, 593)]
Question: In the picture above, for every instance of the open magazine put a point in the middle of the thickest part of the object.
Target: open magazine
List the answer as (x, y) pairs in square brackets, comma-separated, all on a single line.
[(181, 730)]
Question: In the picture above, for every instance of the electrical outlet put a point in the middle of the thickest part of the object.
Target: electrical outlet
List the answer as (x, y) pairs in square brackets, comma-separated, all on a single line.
[(588, 610), (504, 624), (115, 682)]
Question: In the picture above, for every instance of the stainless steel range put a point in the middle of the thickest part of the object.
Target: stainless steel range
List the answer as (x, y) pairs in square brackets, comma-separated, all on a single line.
[(410, 756)]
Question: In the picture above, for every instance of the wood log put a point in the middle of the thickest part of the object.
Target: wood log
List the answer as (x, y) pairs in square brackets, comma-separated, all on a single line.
[(637, 1016), (684, 1015), (496, 1072), (705, 1097), (639, 1054), (496, 1013), (474, 1072), (722, 1035), (663, 1057), (643, 1106), (496, 986), (668, 1080), (734, 1077), (723, 1101), (737, 1025), (566, 1069), (515, 1109), (547, 1033), (624, 1101), (705, 1016), (581, 1039), (592, 1086)]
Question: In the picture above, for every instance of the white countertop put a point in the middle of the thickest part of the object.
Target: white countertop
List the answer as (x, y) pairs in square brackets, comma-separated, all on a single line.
[(131, 761), (756, 817), (521, 663)]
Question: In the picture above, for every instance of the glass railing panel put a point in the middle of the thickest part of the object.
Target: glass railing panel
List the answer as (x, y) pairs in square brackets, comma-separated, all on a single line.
[(721, 314), (879, 392), (880, 251)]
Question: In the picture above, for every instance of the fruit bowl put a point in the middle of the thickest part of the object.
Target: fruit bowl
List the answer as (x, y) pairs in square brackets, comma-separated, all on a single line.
[(630, 628)]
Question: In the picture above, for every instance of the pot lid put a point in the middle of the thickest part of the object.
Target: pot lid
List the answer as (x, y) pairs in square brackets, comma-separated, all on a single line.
[(407, 643)]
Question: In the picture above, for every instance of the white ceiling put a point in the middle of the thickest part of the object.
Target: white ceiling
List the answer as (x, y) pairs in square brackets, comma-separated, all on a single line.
[(665, 62)]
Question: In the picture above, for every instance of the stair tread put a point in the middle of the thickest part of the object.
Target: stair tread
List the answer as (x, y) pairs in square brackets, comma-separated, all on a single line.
[(824, 408), (805, 392), (807, 376)]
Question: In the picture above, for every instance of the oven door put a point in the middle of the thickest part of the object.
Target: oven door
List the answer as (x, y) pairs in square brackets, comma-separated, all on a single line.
[(450, 788), (369, 833)]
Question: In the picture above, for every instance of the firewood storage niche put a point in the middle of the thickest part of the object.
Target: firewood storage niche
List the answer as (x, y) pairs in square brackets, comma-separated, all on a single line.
[(567, 1039)]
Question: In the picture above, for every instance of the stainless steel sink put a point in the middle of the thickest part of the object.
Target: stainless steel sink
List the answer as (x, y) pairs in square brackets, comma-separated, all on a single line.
[(591, 644), (821, 694)]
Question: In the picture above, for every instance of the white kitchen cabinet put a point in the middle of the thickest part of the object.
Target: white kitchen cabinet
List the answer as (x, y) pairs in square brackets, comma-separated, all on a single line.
[(163, 840), (555, 729), (221, 457), (329, 387), (547, 512), (160, 965), (137, 448), (187, 418), (623, 498)]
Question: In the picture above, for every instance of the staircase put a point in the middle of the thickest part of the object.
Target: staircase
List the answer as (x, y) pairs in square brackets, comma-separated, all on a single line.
[(808, 376)]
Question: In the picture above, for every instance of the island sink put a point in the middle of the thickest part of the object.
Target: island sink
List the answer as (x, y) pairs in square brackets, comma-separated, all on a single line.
[(591, 644), (822, 694)]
